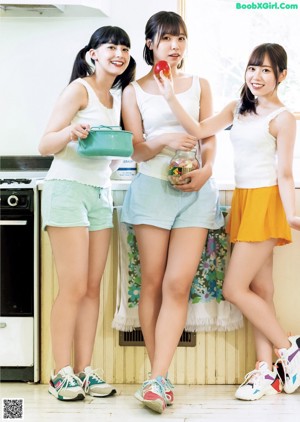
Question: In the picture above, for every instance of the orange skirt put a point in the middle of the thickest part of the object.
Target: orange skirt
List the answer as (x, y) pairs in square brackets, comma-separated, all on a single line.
[(257, 215)]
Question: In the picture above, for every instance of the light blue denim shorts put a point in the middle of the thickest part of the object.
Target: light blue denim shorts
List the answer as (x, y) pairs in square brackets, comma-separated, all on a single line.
[(155, 202), (67, 203)]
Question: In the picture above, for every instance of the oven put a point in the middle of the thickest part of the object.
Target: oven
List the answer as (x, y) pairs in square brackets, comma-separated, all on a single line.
[(20, 287), (19, 303)]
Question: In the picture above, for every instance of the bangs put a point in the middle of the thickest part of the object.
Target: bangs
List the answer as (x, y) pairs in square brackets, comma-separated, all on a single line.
[(172, 26), (115, 35), (257, 57)]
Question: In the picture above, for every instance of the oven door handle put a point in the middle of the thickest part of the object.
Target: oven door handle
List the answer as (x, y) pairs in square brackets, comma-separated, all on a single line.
[(13, 222)]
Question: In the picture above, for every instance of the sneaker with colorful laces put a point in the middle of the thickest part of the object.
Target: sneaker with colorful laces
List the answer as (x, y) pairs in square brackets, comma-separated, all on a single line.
[(153, 394), (169, 395), (65, 385), (290, 360), (258, 383), (94, 385)]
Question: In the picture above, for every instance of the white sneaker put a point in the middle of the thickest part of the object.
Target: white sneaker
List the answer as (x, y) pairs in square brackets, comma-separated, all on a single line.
[(94, 385), (65, 385), (259, 382), (290, 360)]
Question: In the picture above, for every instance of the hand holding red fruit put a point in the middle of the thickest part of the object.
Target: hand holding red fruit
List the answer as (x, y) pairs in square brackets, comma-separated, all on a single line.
[(163, 76), (162, 66)]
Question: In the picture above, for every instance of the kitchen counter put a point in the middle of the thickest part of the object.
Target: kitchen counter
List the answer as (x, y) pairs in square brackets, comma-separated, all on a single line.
[(122, 185)]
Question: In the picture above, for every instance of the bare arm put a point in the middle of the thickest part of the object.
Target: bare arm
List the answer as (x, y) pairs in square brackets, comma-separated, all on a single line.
[(286, 126), (143, 150), (203, 129), (208, 145), (59, 131)]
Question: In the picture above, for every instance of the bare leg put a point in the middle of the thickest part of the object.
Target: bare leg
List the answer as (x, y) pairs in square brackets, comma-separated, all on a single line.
[(88, 312), (263, 286), (246, 261), (153, 245), (185, 248), (70, 250)]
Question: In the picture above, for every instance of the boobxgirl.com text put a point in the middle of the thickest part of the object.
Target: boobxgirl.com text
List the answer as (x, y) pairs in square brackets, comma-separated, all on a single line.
[(266, 5)]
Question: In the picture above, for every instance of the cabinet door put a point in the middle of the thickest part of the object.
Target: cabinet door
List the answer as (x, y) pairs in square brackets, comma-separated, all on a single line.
[(16, 339)]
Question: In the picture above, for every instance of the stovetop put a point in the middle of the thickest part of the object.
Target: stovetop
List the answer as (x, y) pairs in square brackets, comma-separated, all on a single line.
[(19, 172)]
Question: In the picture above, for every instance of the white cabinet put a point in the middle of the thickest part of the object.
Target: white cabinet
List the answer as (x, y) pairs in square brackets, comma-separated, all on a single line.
[(16, 339)]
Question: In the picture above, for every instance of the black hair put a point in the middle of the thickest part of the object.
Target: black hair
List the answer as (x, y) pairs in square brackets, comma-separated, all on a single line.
[(104, 35), (278, 58), (159, 24)]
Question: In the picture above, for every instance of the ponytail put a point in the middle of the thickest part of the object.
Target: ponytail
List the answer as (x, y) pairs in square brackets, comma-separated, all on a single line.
[(81, 68), (248, 102), (126, 77), (104, 35)]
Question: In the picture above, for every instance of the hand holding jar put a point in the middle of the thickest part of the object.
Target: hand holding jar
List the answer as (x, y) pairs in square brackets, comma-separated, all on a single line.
[(183, 162)]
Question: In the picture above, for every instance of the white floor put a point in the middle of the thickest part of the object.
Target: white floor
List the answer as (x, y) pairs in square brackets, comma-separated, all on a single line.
[(192, 403)]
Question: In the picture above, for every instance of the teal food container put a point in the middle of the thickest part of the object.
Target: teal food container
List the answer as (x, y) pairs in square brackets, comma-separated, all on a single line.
[(107, 141)]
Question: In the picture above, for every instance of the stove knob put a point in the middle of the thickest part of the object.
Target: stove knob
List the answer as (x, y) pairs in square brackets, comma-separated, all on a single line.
[(13, 200)]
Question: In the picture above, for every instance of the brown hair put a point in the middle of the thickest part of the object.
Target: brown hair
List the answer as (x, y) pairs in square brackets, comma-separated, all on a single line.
[(159, 24), (278, 59)]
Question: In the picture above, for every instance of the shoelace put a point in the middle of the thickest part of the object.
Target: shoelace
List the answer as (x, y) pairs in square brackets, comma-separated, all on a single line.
[(69, 379), (156, 387), (91, 374), (168, 383), (254, 374)]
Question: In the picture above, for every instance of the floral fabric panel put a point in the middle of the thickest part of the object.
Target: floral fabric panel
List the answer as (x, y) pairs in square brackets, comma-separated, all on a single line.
[(208, 281)]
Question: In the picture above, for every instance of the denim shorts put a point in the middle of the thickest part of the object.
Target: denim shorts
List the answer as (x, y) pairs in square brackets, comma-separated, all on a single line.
[(67, 203), (155, 202)]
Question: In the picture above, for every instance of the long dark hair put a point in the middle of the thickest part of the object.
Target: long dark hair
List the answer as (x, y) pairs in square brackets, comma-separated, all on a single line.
[(104, 35), (159, 24), (278, 59)]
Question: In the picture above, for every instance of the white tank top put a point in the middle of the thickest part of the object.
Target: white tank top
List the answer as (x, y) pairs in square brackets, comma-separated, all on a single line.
[(255, 155), (68, 164), (158, 119)]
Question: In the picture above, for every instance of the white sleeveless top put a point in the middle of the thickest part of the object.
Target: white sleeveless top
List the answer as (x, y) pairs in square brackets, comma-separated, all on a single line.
[(158, 119), (68, 164), (255, 150)]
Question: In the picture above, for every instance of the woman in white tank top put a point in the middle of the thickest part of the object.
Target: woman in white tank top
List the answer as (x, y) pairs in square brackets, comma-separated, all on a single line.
[(263, 208), (77, 208), (170, 223)]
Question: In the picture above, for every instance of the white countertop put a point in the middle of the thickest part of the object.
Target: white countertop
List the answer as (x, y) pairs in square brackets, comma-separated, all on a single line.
[(123, 185), (120, 185)]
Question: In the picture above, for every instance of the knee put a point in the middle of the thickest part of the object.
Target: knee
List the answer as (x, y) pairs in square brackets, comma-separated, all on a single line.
[(177, 289), (76, 293), (93, 290), (266, 292), (230, 294), (151, 284)]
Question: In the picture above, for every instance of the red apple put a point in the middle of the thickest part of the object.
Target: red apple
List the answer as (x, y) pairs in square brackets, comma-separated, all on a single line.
[(164, 66)]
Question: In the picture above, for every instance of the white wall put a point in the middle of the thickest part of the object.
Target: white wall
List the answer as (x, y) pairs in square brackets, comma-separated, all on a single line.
[(37, 54)]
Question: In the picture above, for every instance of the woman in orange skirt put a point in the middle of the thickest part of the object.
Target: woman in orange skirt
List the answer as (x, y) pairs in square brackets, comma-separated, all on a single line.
[(263, 209)]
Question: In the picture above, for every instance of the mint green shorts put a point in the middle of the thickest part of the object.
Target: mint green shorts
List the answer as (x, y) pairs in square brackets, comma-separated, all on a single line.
[(67, 203)]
